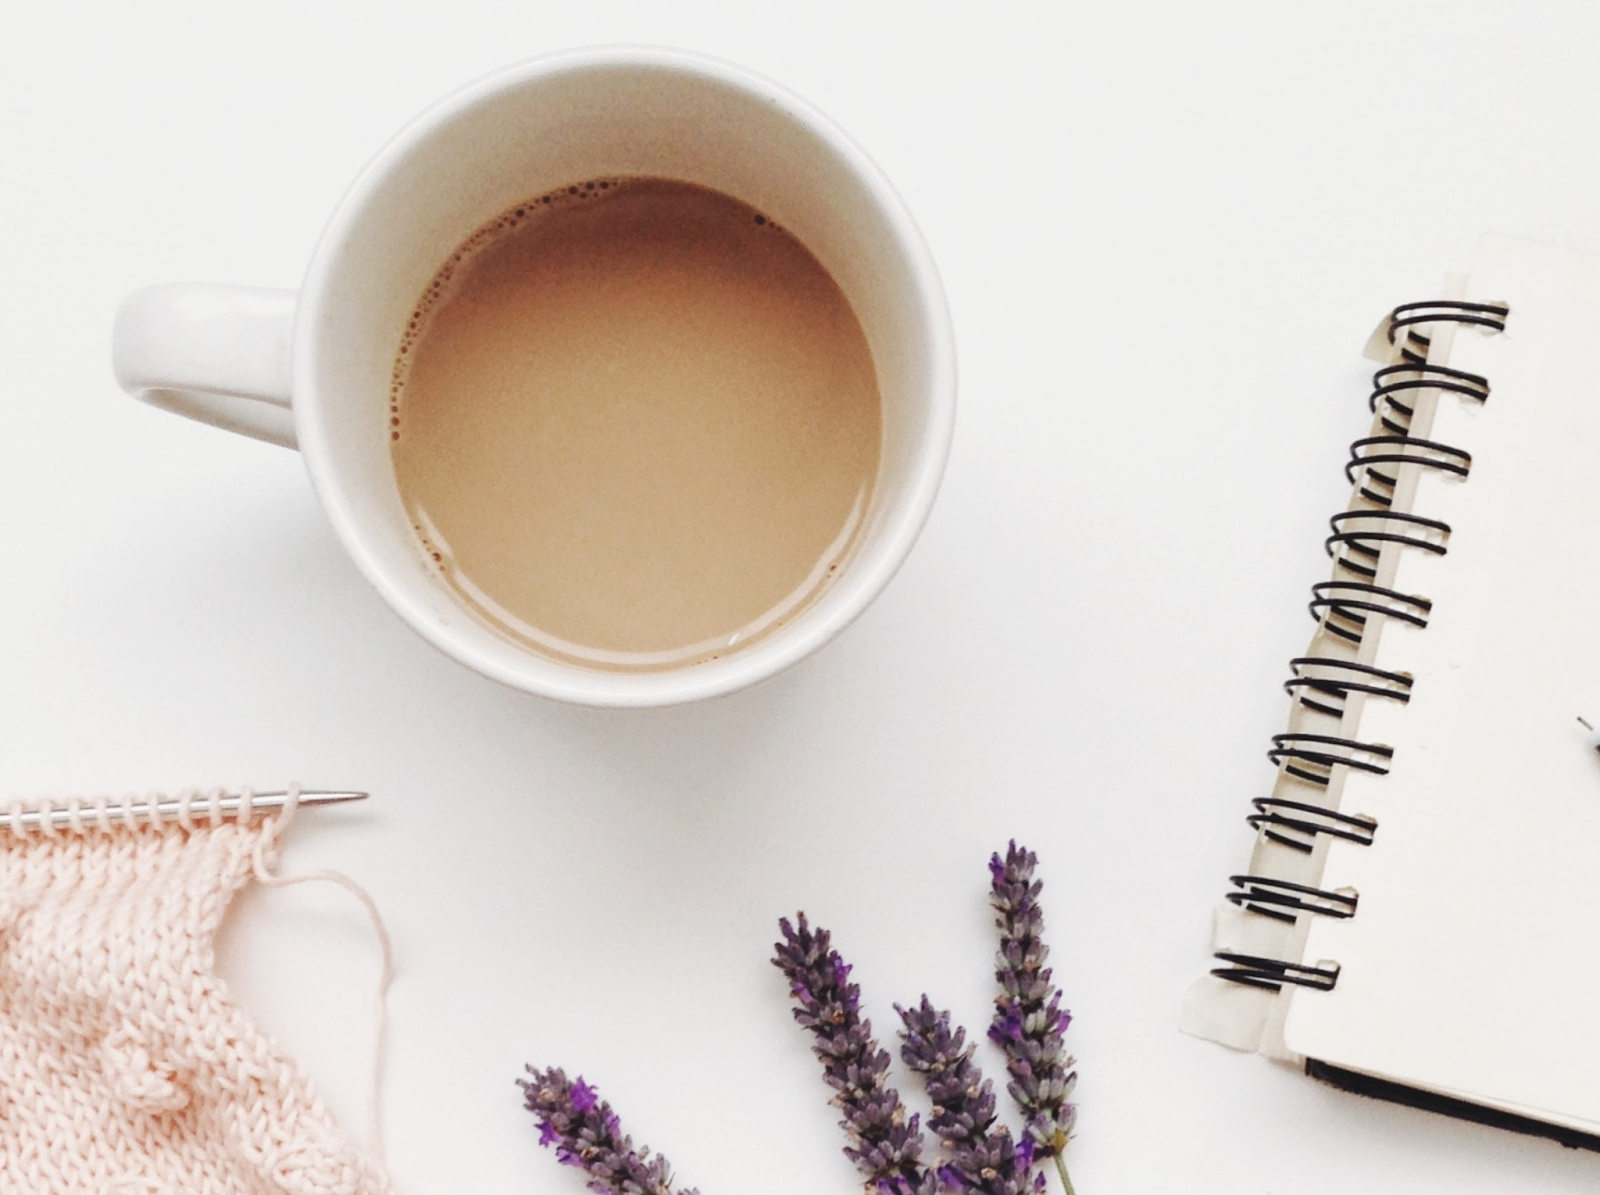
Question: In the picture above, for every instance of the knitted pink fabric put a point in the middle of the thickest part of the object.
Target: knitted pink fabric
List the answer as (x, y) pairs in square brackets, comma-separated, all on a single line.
[(125, 1067)]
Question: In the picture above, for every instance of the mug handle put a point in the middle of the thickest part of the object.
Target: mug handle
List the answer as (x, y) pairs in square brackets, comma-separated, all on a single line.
[(218, 354)]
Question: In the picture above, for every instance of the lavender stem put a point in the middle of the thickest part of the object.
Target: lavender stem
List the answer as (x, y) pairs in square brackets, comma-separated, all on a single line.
[(586, 1133), (884, 1141), (1029, 1021), (1061, 1169), (981, 1156)]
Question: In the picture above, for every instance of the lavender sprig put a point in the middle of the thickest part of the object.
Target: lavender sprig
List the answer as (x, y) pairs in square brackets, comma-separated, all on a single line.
[(585, 1132), (885, 1142), (1029, 1021), (982, 1156)]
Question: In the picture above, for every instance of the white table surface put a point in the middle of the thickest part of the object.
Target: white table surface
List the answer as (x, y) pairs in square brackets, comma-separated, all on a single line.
[(1166, 231)]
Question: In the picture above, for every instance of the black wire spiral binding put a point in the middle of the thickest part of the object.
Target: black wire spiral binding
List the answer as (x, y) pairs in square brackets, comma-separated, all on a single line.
[(1320, 681), (1312, 757), (1341, 607), (1272, 897), (1378, 487), (1272, 973), (1394, 380), (1359, 535), (1298, 828), (1410, 315), (1345, 609)]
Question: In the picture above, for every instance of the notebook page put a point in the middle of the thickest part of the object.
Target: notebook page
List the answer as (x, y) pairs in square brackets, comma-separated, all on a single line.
[(1472, 964)]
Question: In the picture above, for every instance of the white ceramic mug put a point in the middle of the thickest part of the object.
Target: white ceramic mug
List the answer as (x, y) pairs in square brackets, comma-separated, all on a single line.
[(311, 369)]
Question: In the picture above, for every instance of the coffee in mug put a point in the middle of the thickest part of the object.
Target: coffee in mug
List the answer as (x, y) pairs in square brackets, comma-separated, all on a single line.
[(635, 424), (730, 435)]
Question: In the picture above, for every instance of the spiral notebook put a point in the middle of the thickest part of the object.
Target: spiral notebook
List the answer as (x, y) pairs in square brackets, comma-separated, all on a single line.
[(1419, 917)]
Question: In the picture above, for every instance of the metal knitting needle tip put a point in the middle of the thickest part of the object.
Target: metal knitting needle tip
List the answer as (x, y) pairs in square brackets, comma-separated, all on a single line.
[(317, 796)]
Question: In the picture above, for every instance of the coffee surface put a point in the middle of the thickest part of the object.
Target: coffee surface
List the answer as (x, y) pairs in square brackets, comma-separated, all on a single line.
[(635, 424)]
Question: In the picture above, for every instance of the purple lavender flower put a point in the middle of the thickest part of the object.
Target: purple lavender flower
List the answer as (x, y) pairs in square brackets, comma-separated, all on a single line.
[(982, 1156), (885, 1142), (1028, 1019), (586, 1134)]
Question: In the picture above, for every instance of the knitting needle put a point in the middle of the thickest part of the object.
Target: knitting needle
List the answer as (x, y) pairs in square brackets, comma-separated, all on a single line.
[(168, 808)]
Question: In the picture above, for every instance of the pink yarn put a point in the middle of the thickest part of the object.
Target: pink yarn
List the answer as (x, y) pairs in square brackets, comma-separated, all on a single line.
[(125, 1066)]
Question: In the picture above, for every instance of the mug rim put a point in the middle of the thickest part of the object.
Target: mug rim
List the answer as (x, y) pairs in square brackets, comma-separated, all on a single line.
[(522, 668)]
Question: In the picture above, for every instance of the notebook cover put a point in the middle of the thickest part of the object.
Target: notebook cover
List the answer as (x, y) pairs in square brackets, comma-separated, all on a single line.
[(1470, 963)]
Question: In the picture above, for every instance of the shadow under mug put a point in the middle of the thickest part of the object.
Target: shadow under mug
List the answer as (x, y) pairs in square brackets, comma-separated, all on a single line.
[(312, 369)]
